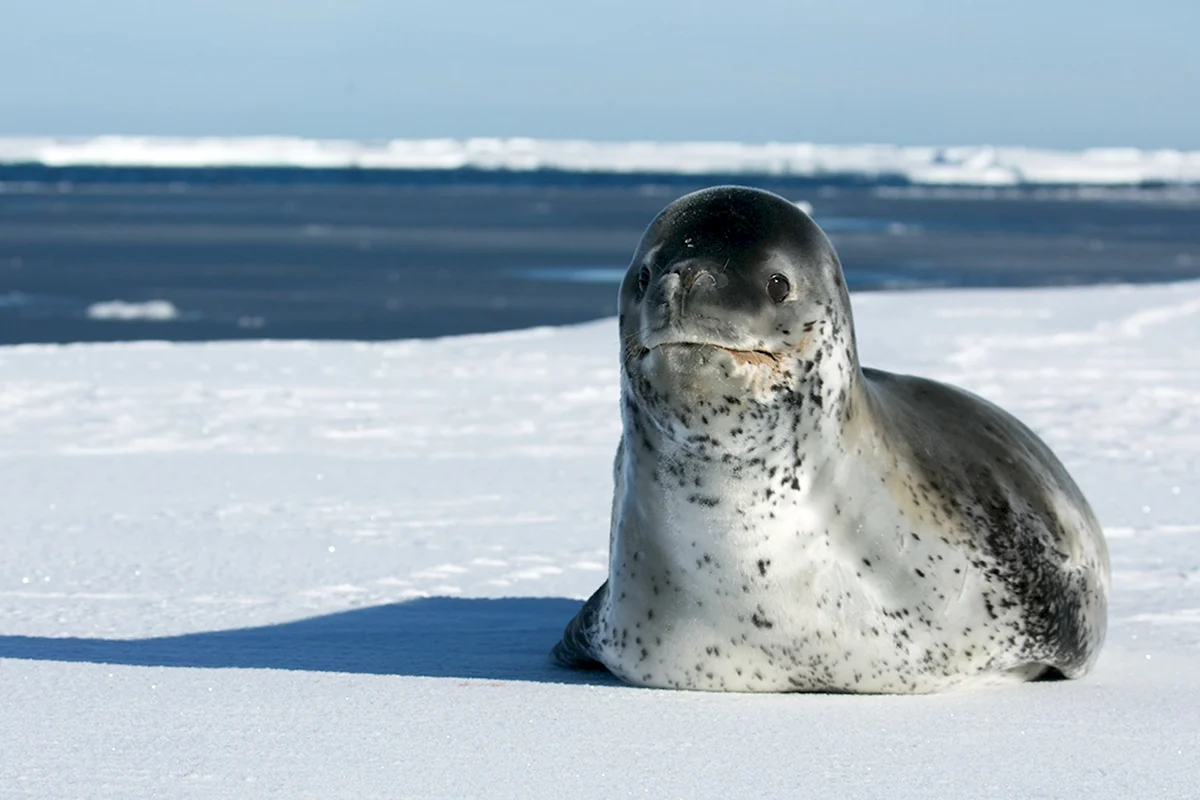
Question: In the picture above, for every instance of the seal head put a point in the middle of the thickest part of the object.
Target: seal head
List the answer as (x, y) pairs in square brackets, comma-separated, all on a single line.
[(725, 277)]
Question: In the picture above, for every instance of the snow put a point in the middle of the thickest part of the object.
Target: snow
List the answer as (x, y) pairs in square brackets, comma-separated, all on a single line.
[(980, 165), (312, 570), (155, 310)]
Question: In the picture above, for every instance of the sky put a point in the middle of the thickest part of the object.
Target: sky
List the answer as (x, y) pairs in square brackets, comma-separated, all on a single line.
[(1055, 73)]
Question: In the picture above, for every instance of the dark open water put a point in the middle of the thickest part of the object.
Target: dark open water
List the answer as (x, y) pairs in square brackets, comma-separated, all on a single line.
[(346, 254)]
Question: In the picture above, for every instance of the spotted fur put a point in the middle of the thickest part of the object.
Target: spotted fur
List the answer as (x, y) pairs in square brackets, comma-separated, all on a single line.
[(784, 520)]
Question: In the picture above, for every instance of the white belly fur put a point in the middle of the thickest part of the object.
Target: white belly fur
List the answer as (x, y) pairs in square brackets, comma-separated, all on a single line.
[(825, 595)]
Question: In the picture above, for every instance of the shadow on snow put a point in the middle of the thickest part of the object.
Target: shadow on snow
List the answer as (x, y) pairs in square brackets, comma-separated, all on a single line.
[(436, 637)]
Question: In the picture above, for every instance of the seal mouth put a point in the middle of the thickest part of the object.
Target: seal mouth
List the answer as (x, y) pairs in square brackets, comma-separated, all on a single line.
[(756, 357)]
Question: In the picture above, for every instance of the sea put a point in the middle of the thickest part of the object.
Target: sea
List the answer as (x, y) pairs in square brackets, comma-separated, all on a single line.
[(119, 253)]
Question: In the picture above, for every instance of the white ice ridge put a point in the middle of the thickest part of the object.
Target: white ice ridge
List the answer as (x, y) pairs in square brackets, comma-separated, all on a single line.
[(156, 310), (966, 165)]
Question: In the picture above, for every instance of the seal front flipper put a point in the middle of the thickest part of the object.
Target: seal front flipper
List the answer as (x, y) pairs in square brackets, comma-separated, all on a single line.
[(575, 649)]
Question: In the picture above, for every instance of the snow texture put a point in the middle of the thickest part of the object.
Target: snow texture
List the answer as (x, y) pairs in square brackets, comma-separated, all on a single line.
[(963, 166), (314, 570)]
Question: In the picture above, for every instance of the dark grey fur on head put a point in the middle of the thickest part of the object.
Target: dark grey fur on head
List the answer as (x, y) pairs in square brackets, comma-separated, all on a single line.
[(725, 244)]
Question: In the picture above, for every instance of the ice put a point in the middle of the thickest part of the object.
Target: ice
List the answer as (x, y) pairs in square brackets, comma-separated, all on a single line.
[(313, 570), (153, 310), (984, 166)]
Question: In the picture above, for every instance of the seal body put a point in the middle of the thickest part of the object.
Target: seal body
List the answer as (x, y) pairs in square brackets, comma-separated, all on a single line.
[(785, 520)]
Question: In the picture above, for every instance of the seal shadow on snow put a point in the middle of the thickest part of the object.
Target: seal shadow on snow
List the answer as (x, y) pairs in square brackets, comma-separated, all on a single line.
[(436, 637)]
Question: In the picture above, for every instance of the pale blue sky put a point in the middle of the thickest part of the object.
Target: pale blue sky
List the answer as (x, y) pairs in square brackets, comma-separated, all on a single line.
[(1063, 73)]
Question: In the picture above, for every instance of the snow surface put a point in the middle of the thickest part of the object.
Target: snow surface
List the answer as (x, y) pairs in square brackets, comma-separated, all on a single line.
[(315, 570), (967, 165)]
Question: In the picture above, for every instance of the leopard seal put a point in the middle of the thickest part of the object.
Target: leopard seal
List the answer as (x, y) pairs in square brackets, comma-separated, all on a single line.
[(784, 519)]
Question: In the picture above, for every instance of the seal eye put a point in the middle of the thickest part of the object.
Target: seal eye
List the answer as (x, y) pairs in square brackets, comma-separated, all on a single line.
[(643, 279), (778, 288)]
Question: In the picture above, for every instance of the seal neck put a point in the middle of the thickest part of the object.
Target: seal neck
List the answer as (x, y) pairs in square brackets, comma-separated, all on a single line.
[(801, 417)]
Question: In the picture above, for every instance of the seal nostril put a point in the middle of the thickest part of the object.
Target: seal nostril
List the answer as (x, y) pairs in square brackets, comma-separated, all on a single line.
[(643, 279), (692, 275)]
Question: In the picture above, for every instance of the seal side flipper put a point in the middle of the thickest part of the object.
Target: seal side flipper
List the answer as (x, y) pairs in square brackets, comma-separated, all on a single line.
[(575, 649)]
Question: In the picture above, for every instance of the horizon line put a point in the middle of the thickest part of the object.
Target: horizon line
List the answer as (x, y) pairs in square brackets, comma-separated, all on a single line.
[(973, 165)]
